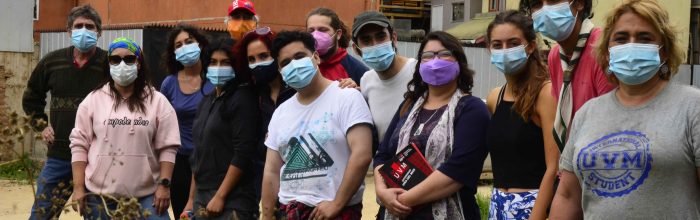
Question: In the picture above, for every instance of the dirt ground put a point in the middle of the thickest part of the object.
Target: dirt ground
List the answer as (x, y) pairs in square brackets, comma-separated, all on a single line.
[(16, 200)]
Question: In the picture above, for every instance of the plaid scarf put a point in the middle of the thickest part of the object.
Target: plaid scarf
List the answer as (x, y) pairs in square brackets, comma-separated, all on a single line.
[(565, 107)]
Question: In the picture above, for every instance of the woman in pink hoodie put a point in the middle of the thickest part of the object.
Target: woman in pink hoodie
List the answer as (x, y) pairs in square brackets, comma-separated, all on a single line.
[(125, 140)]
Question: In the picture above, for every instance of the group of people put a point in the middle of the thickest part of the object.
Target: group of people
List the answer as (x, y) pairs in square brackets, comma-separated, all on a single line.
[(290, 122)]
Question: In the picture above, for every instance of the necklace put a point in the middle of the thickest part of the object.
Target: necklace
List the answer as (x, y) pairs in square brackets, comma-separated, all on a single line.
[(421, 125)]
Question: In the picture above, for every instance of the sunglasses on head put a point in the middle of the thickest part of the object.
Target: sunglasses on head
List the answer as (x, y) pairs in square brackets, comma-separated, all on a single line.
[(128, 59), (262, 31)]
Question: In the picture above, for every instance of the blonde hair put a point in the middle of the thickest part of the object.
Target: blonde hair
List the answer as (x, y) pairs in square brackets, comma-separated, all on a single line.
[(651, 11)]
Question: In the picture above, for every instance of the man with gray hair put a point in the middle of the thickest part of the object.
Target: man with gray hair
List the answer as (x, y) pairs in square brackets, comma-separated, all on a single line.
[(69, 74)]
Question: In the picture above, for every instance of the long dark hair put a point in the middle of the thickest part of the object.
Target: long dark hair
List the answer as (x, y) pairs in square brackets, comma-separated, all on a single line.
[(336, 24), (241, 49), (529, 82), (242, 78), (169, 61), (418, 88), (143, 89)]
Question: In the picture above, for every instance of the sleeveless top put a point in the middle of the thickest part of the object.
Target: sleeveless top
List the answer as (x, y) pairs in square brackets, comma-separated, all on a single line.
[(516, 148)]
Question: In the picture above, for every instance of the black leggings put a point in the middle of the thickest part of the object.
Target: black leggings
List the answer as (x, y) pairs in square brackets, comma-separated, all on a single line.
[(180, 188)]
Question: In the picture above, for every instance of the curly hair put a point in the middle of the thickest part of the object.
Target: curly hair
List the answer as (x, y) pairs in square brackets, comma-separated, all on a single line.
[(416, 88), (655, 14), (169, 61)]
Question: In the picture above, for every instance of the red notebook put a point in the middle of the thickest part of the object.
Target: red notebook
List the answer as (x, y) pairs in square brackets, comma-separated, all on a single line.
[(406, 169)]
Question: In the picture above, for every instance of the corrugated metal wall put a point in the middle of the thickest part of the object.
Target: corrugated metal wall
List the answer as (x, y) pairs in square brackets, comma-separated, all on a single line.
[(486, 75), (56, 40)]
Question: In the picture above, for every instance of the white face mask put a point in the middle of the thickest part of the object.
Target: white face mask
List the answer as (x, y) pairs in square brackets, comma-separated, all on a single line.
[(123, 74)]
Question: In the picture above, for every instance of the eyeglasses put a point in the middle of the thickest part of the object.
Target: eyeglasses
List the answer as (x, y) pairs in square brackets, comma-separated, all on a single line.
[(116, 59), (429, 55)]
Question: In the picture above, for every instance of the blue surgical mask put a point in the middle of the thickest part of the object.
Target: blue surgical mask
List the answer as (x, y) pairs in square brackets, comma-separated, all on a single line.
[(219, 75), (188, 54), (634, 63), (83, 39), (299, 73), (379, 57), (555, 21), (510, 60)]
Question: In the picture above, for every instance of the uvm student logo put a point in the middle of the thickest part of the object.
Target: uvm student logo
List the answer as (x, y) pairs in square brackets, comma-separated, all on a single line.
[(615, 164)]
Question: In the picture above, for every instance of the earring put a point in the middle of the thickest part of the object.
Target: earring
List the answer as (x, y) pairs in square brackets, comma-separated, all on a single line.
[(664, 69)]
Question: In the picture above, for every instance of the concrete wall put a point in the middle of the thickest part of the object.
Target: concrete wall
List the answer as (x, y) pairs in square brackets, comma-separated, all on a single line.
[(679, 12), (16, 25), (471, 8)]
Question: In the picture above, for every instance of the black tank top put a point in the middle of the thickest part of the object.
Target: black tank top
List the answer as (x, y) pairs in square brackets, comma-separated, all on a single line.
[(516, 148)]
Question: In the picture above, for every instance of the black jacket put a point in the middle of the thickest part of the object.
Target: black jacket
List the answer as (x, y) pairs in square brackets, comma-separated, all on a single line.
[(225, 132)]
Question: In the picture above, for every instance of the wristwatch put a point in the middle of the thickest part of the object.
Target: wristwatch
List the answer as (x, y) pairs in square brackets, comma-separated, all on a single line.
[(164, 182)]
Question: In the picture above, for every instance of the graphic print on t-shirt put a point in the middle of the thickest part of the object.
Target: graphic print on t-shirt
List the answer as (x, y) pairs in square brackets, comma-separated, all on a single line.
[(306, 159), (616, 164)]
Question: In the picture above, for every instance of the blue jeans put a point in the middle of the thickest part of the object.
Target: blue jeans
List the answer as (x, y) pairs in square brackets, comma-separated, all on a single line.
[(53, 182), (93, 201)]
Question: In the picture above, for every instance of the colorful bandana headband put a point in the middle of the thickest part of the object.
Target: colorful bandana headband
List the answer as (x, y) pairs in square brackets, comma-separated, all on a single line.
[(125, 43)]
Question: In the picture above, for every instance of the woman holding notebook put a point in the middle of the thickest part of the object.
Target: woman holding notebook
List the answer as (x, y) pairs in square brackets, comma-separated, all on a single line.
[(438, 105)]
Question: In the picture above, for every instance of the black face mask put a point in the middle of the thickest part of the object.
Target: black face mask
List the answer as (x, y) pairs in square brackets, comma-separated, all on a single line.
[(265, 74)]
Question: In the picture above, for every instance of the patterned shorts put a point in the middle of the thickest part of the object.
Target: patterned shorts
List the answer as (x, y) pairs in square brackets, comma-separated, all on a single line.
[(511, 205)]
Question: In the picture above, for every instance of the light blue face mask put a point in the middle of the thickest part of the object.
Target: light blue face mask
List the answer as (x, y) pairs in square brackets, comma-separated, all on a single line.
[(299, 73), (555, 21), (219, 75), (510, 60), (379, 57), (83, 39), (188, 54), (634, 63)]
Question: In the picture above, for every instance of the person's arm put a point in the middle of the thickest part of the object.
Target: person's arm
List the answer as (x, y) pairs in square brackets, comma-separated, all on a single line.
[(244, 132), (166, 142), (359, 139), (436, 186), (464, 166), (492, 99), (80, 138), (546, 110), (387, 149), (216, 204), (271, 184), (34, 97), (190, 200), (162, 196), (567, 200), (78, 168)]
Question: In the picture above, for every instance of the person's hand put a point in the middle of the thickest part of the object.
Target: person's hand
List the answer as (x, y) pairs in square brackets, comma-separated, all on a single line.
[(47, 134), (215, 206), (389, 198), (162, 200), (188, 207), (347, 83), (79, 200), (326, 210)]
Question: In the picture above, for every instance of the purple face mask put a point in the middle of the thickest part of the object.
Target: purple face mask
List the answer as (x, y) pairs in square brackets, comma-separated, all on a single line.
[(439, 72)]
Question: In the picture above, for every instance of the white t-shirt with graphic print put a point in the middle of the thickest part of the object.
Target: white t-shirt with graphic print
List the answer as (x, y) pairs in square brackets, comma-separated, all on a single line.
[(311, 139)]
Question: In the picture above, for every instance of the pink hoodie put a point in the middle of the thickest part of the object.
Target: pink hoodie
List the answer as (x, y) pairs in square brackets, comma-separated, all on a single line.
[(123, 148)]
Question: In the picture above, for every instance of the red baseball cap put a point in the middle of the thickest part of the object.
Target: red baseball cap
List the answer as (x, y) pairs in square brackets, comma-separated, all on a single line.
[(241, 4)]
